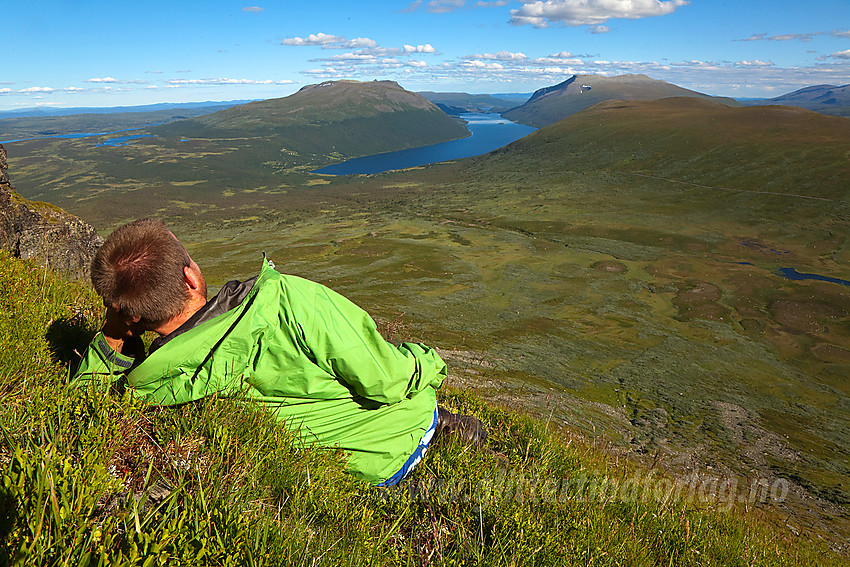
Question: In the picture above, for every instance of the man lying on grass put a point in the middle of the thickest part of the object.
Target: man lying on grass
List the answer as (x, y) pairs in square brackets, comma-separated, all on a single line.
[(299, 349)]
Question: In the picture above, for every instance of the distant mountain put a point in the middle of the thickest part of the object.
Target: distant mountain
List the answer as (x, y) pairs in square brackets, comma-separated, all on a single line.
[(457, 103), (208, 106), (344, 118), (551, 104), (693, 142), (109, 120), (826, 99)]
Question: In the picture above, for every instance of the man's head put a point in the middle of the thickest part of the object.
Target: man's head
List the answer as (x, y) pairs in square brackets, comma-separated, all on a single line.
[(143, 271)]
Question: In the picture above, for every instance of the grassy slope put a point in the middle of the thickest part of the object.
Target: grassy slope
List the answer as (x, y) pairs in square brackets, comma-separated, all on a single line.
[(551, 105), (771, 148), (242, 493)]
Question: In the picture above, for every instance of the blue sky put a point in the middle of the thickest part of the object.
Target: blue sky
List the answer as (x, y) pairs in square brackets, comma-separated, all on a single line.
[(123, 52)]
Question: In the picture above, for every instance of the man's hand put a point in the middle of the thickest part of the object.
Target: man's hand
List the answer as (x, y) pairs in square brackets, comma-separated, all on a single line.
[(123, 333)]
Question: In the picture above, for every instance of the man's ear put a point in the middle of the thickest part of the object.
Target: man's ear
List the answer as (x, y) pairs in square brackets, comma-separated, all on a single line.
[(192, 278)]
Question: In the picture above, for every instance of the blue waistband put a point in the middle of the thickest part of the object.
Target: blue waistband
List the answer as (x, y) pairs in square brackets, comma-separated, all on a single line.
[(417, 454)]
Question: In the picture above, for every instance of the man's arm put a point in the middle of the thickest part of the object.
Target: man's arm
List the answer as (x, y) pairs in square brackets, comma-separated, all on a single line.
[(113, 351)]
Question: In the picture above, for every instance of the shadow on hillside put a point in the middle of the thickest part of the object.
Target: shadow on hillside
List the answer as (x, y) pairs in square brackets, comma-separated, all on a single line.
[(8, 518), (68, 339)]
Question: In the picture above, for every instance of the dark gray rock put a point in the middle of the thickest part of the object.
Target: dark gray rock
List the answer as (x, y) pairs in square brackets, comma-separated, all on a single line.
[(44, 233), (4, 177)]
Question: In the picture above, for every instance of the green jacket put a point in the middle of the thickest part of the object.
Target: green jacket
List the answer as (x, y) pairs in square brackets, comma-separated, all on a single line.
[(307, 354)]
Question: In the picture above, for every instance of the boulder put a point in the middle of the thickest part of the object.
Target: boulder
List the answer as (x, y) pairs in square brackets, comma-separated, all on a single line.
[(44, 233)]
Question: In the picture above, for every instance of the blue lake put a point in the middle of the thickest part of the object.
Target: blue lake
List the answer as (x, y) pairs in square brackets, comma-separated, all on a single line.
[(792, 274), (489, 132), (122, 140)]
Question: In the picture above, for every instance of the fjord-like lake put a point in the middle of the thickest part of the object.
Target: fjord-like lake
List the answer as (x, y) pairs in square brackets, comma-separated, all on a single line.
[(489, 132)]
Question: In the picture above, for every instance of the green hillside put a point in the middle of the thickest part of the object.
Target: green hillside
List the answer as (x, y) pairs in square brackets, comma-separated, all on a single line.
[(551, 104), (771, 148), (95, 478), (826, 99), (335, 118)]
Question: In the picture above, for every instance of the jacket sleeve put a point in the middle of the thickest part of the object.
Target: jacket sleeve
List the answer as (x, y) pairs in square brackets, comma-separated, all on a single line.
[(344, 341), (101, 365)]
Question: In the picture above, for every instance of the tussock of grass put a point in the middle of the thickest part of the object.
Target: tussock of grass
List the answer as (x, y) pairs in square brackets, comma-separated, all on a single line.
[(92, 478)]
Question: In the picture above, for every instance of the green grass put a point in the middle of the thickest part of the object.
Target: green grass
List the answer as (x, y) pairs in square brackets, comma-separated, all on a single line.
[(77, 466)]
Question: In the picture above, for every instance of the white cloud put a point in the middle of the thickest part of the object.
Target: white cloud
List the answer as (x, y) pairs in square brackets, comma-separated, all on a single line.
[(844, 34), (355, 43), (327, 41), (314, 39), (380, 56), (37, 90), (499, 56), (784, 37), (562, 58), (73, 89), (254, 9), (427, 48), (5, 91), (482, 65), (114, 80), (845, 55), (755, 63), (541, 14), (390, 64), (444, 6), (414, 63), (350, 57), (495, 3), (793, 36), (599, 29), (754, 37), (219, 81)]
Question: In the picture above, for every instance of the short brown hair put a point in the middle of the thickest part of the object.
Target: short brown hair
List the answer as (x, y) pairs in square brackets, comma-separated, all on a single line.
[(139, 269)]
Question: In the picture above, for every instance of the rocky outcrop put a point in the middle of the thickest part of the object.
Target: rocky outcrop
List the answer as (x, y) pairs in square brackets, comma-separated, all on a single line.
[(4, 176), (44, 233)]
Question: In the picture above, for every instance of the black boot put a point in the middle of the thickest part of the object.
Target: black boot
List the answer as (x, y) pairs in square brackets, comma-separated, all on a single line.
[(467, 428)]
